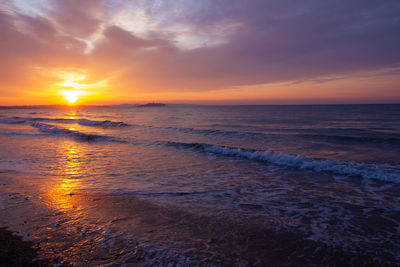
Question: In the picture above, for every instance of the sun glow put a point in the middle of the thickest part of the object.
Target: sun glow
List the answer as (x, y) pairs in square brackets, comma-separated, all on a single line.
[(76, 87), (71, 96)]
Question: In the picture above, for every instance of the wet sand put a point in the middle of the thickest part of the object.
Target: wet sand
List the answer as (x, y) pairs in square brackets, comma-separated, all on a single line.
[(95, 229), (80, 227), (16, 252)]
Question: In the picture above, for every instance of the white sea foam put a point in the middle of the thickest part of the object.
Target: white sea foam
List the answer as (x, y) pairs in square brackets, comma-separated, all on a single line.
[(369, 171)]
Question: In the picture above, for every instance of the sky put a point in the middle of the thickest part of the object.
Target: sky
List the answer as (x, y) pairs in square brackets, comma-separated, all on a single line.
[(200, 52)]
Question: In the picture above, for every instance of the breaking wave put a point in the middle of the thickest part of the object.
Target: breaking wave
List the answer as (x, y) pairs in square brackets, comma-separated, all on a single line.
[(85, 122), (369, 171), (12, 120), (46, 128), (105, 123)]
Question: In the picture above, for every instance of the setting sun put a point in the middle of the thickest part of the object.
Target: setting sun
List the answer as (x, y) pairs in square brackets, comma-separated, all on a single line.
[(71, 96), (74, 86)]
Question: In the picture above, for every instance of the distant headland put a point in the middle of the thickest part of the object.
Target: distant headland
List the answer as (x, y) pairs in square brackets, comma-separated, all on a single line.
[(153, 105)]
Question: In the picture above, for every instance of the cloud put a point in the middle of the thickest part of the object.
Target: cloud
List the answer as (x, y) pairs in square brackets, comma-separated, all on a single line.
[(258, 42), (28, 44), (278, 41), (77, 18)]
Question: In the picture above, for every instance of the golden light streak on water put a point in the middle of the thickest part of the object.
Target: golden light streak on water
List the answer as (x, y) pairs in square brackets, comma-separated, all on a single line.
[(60, 194)]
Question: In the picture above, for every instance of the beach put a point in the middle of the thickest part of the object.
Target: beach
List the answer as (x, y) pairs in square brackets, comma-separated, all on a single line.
[(16, 252), (197, 239)]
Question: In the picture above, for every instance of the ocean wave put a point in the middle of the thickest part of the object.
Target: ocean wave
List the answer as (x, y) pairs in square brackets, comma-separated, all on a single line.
[(105, 123), (167, 194), (206, 132), (85, 122), (12, 120), (369, 171), (46, 128), (21, 134), (348, 135), (60, 120), (383, 139), (216, 132)]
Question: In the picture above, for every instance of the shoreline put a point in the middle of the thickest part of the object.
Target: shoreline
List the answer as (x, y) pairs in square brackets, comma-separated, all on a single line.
[(150, 224)]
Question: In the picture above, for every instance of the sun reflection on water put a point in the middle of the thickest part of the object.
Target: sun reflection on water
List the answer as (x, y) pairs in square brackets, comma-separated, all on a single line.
[(72, 164), (72, 114), (60, 194)]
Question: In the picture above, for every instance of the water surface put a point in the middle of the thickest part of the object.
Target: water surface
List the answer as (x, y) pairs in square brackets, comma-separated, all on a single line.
[(214, 185)]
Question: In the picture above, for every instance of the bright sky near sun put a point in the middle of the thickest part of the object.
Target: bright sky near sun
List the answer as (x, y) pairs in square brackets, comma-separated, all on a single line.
[(187, 51)]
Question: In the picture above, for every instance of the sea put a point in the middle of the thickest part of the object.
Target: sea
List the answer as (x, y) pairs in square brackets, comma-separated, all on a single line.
[(296, 185)]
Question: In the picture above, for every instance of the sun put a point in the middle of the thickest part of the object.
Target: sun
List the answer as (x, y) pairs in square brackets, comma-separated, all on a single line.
[(74, 90), (71, 96)]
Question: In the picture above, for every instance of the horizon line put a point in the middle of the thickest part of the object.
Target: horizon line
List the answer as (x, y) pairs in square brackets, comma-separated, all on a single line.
[(183, 104)]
